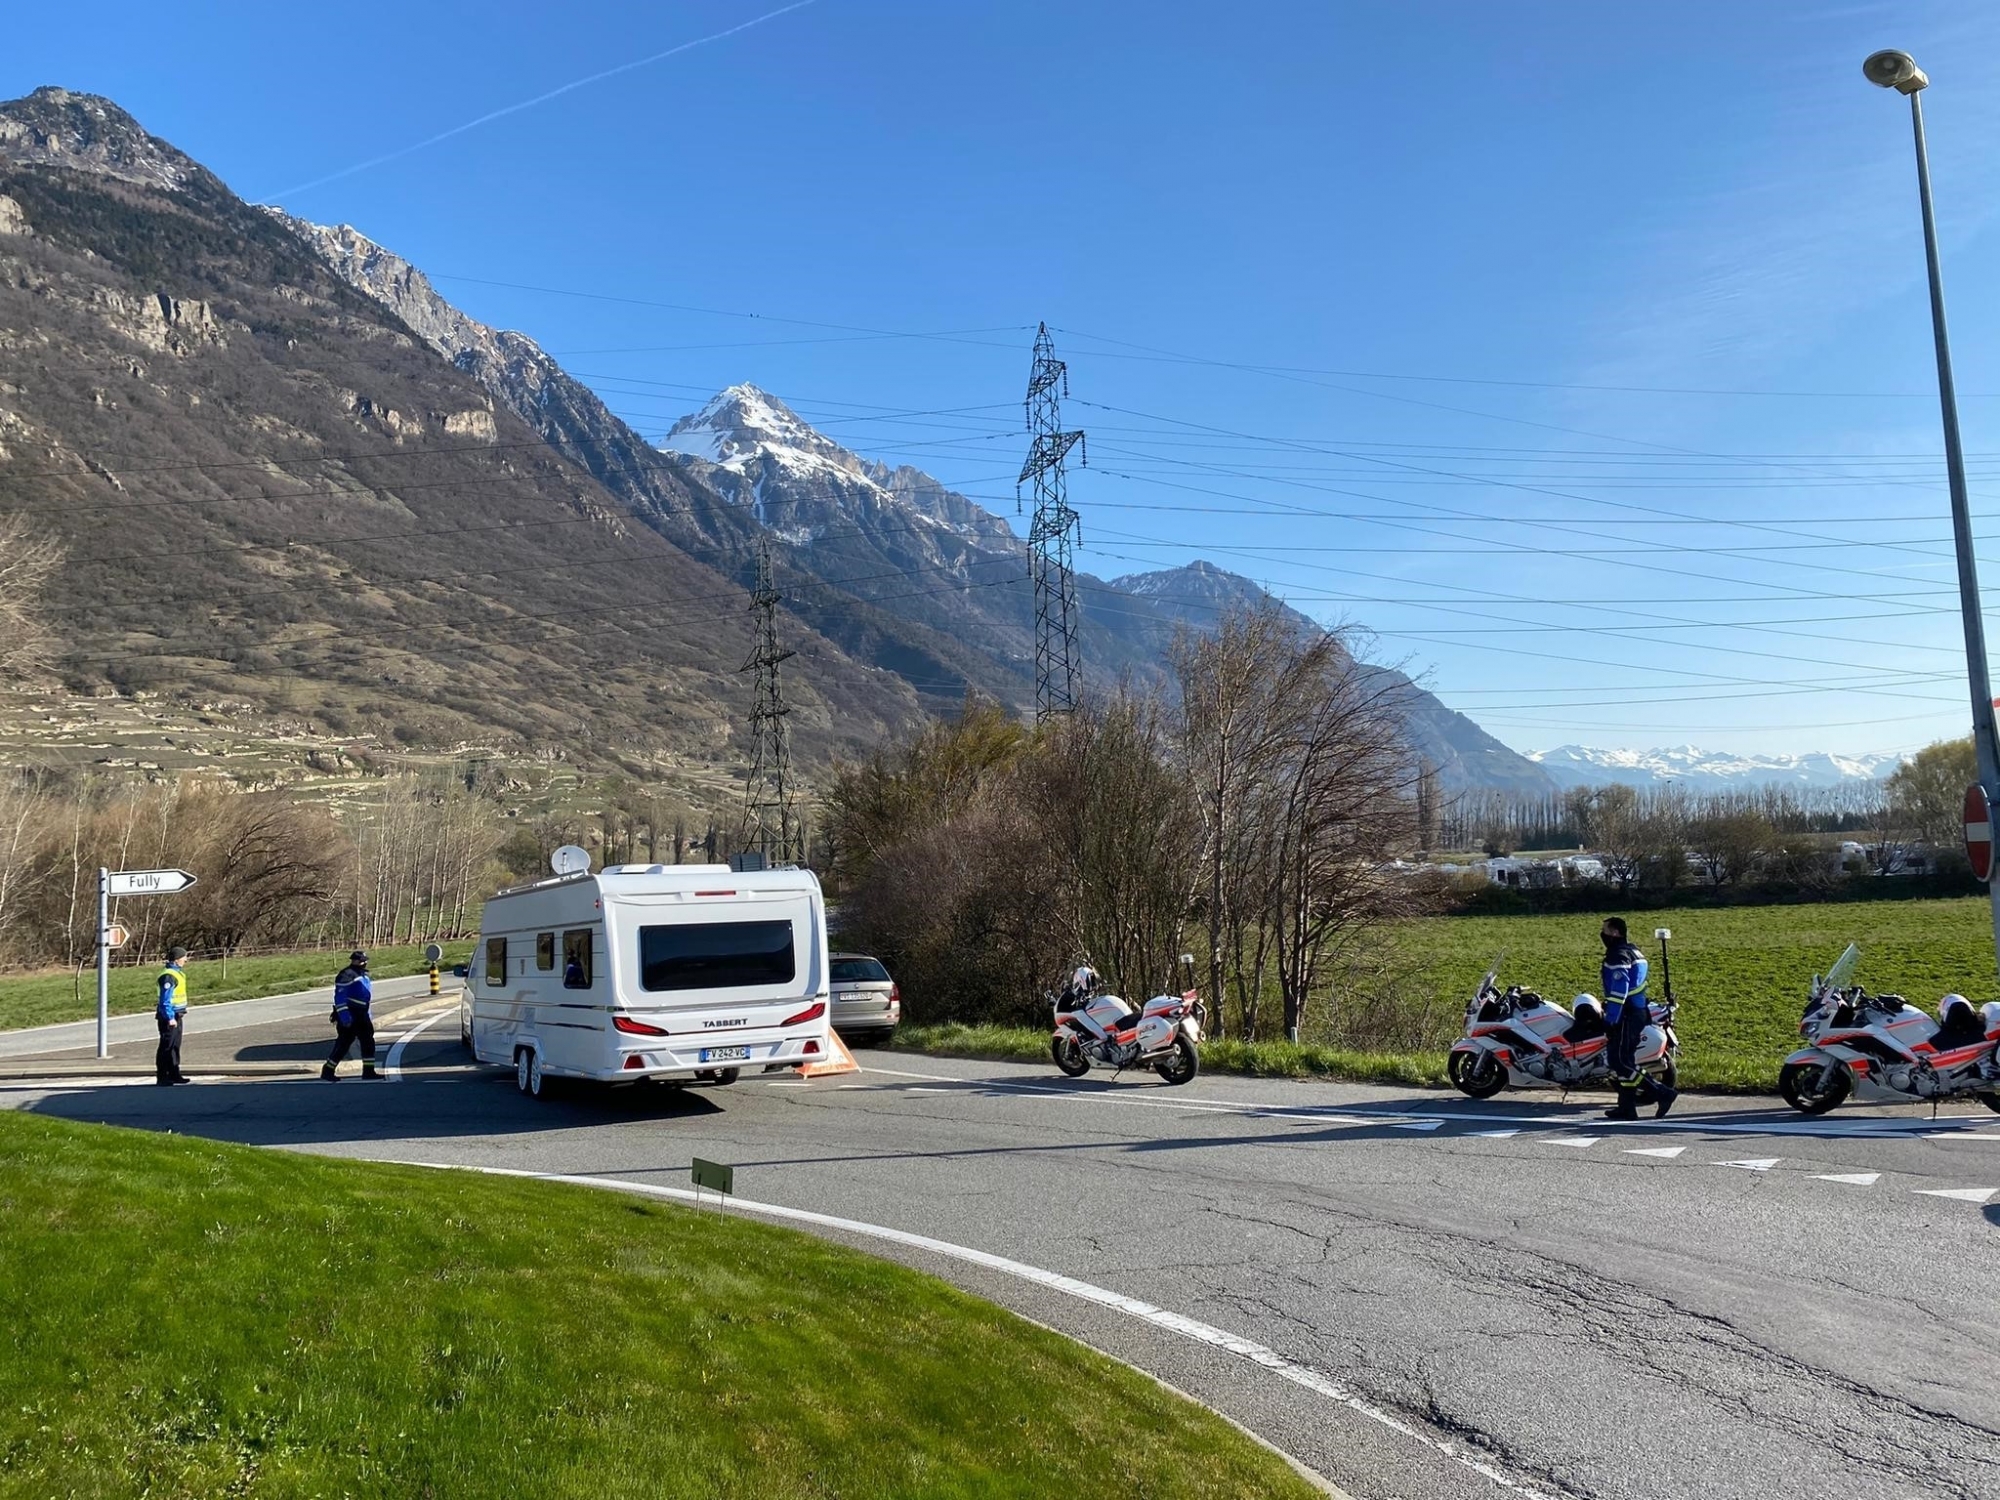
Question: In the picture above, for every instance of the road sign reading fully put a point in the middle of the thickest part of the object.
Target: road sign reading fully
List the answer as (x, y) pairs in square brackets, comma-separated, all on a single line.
[(1979, 831), (147, 882)]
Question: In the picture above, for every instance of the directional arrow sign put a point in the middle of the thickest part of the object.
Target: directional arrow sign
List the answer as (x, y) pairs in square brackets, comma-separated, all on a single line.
[(148, 882), (116, 936)]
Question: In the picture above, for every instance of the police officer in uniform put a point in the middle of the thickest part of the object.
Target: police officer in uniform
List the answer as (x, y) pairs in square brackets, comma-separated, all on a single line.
[(1627, 1013), (353, 1000), (171, 1015)]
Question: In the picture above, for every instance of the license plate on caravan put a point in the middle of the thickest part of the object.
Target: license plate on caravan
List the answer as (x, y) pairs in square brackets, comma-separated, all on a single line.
[(725, 1054)]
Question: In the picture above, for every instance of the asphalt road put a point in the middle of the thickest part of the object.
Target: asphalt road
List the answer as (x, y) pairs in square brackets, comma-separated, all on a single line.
[(1418, 1296)]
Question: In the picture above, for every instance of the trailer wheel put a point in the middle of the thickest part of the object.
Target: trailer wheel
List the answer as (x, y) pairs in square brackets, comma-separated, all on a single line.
[(528, 1071)]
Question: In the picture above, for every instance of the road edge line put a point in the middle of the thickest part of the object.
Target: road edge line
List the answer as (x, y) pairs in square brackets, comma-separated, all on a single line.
[(1084, 1291)]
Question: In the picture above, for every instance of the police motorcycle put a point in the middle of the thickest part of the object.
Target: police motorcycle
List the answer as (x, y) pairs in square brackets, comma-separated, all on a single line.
[(1514, 1038), (1095, 1029), (1880, 1049)]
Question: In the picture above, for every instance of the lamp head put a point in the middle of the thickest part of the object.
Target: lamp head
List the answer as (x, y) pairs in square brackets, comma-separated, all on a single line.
[(1890, 69)]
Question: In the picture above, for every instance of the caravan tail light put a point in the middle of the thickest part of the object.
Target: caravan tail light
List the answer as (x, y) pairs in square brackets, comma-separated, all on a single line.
[(635, 1028), (811, 1013)]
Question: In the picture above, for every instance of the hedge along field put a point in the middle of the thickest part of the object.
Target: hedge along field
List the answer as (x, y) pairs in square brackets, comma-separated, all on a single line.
[(1740, 973)]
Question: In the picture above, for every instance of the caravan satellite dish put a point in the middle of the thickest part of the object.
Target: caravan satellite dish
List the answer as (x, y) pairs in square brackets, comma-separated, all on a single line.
[(570, 860)]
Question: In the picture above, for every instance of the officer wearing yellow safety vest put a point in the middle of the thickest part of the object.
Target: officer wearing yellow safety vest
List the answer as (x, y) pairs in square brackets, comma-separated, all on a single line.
[(171, 1014)]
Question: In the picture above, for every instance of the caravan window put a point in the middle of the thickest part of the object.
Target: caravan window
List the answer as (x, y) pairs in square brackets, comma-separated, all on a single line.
[(715, 955), (496, 960), (576, 959), (545, 950)]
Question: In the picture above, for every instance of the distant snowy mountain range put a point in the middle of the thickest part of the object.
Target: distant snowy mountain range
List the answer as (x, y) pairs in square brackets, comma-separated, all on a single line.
[(1705, 770)]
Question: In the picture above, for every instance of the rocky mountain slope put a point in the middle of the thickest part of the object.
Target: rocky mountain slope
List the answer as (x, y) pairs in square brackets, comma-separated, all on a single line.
[(389, 515), (277, 495)]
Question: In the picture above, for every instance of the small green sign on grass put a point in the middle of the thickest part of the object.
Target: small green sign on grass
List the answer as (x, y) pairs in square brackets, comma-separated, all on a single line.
[(713, 1176)]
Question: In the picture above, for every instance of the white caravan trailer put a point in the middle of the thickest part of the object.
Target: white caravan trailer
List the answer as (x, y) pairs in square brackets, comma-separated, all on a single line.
[(650, 971)]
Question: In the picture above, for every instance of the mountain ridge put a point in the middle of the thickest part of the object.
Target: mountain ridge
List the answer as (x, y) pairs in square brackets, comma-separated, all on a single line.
[(1707, 771)]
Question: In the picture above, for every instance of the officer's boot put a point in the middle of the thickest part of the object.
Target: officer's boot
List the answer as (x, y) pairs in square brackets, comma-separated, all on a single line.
[(1663, 1099), (368, 1069), (1627, 1107), (327, 1075)]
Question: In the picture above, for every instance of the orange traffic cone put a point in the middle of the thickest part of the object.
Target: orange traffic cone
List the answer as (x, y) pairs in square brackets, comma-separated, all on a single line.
[(837, 1060)]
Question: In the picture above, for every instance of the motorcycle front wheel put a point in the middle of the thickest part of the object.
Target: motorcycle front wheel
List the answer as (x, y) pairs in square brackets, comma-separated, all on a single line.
[(1991, 1101), (1182, 1065), (1812, 1089), (1064, 1048), (1477, 1074)]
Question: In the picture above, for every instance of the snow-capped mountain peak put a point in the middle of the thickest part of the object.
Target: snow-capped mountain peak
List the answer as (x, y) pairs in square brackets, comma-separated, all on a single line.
[(743, 424), (798, 481), (1706, 771)]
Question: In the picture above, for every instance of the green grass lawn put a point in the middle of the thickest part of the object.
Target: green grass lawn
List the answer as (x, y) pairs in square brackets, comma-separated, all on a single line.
[(41, 999), (191, 1319), (1740, 974)]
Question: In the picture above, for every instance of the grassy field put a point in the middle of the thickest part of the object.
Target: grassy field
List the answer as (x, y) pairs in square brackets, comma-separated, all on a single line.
[(40, 999), (192, 1319), (1740, 974)]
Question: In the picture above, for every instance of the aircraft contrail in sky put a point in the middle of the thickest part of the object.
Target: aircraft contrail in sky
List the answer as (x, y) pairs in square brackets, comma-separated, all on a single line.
[(554, 93)]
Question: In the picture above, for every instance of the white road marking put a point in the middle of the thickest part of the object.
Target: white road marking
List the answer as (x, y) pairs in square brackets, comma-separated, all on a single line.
[(393, 1068), (1419, 1125), (1573, 1140), (1666, 1151), (1158, 1317), (927, 1077), (1851, 1179), (1962, 1135), (1495, 1135), (922, 1090), (1866, 1128), (1754, 1164), (1963, 1195)]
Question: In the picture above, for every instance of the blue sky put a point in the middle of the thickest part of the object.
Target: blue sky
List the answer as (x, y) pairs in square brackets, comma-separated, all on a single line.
[(1579, 352)]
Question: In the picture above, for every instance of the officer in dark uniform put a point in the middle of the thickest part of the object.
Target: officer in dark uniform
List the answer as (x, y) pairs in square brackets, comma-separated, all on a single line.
[(1627, 1013), (353, 1002), (171, 1015)]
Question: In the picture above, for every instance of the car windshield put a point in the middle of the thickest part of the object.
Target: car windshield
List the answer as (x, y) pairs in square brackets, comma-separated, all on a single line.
[(859, 971)]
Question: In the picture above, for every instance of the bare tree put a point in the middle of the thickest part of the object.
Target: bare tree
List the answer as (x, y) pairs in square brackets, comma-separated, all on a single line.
[(29, 556)]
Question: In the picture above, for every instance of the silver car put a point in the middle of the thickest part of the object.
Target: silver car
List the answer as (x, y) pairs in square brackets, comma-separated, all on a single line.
[(866, 1003)]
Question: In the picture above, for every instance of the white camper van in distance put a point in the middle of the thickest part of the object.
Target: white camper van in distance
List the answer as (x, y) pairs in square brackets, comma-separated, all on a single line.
[(649, 971)]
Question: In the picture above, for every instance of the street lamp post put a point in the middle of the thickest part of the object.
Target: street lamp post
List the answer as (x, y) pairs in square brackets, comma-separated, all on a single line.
[(1899, 71)]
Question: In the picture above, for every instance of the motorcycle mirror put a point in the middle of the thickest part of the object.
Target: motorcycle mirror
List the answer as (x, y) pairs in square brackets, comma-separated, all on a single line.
[(1663, 933)]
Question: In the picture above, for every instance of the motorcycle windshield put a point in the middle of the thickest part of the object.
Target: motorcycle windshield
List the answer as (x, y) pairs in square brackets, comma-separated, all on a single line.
[(1842, 973)]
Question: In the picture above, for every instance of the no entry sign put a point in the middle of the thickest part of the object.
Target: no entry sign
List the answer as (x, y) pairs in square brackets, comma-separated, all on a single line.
[(1979, 831)]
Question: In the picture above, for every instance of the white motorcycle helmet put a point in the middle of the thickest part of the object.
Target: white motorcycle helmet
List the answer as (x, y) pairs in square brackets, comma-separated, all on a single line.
[(1586, 1005), (1949, 1004)]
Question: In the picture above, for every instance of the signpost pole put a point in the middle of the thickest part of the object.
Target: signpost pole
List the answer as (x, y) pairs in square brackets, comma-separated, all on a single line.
[(103, 963)]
